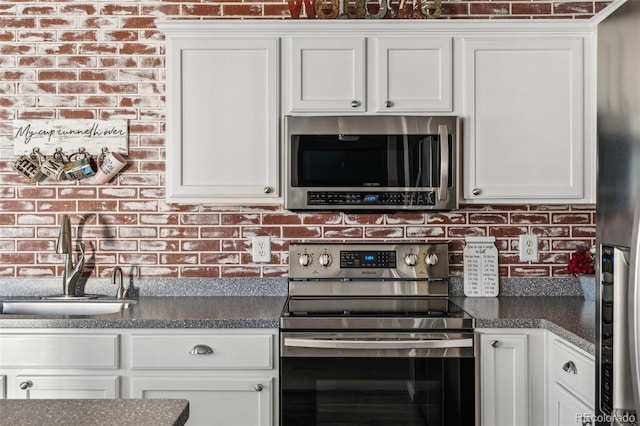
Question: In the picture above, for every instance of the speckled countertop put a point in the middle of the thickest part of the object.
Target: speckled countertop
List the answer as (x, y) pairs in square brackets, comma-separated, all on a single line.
[(170, 312), (94, 412), (570, 317), (243, 303)]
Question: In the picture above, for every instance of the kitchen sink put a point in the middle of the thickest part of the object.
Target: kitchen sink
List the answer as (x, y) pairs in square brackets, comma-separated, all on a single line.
[(64, 307)]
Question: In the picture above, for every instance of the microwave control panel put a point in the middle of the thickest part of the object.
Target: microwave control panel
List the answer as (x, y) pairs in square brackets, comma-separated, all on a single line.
[(384, 198)]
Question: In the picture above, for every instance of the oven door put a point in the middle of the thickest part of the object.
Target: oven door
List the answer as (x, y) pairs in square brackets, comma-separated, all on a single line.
[(378, 379)]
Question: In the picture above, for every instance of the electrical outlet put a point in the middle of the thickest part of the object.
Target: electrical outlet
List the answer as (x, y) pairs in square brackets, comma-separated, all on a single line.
[(528, 248), (261, 249)]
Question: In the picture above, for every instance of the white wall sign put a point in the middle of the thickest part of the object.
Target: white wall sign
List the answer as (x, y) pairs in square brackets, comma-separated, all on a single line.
[(481, 267), (70, 136)]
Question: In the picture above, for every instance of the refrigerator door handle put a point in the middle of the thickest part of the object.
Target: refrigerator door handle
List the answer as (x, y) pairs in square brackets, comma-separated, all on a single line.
[(634, 304)]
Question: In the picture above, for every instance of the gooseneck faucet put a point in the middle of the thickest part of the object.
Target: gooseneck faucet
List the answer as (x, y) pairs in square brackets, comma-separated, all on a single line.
[(121, 293), (71, 274)]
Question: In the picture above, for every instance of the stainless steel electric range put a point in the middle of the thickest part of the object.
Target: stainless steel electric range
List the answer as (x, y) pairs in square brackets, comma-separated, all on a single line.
[(369, 337)]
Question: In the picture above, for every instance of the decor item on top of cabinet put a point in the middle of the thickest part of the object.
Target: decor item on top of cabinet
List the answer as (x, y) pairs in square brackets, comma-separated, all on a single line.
[(481, 267), (369, 9), (327, 9), (295, 6), (582, 265), (375, 9)]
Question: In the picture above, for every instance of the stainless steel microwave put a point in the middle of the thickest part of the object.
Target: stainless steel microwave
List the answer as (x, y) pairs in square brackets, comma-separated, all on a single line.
[(372, 163)]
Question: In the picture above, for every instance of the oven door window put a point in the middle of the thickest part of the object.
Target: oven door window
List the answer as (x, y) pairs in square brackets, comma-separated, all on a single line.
[(377, 391), (367, 161)]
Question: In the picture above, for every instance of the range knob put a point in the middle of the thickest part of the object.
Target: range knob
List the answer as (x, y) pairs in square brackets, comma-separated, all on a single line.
[(324, 259), (411, 259), (304, 259), (431, 259)]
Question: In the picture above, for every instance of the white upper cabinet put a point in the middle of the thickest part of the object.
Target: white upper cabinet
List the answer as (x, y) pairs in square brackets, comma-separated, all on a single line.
[(328, 74), (414, 74), (388, 75), (525, 133), (525, 91), (222, 119)]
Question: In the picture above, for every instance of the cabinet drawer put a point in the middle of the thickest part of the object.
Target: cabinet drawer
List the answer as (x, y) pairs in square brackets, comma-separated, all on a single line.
[(59, 350), (575, 370), (252, 351)]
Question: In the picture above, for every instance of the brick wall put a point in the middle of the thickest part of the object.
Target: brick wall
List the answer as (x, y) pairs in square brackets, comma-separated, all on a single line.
[(104, 60)]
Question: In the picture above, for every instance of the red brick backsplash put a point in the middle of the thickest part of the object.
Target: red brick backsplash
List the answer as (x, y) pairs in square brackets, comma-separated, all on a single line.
[(105, 60), (217, 244)]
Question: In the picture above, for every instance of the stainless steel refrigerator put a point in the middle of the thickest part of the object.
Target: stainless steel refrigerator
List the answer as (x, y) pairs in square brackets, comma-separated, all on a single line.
[(618, 217)]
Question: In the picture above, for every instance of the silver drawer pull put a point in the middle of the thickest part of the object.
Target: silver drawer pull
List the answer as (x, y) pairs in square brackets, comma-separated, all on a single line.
[(201, 350), (495, 343), (570, 367), (258, 387), (25, 385)]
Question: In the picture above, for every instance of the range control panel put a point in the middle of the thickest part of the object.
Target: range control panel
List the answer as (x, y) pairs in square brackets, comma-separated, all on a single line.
[(368, 261)]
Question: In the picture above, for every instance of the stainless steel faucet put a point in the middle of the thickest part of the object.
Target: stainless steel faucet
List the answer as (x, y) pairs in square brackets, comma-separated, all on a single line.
[(121, 293), (71, 274)]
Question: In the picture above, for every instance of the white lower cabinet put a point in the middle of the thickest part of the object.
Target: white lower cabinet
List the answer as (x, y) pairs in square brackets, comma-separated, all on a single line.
[(229, 376), (35, 386), (571, 394), (510, 377), (214, 400), (60, 364), (533, 377)]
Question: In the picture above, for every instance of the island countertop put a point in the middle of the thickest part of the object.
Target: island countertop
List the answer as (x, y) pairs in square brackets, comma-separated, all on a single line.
[(94, 412)]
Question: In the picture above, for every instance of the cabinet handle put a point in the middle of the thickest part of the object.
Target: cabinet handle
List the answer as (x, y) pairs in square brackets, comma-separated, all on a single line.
[(495, 343), (268, 190), (570, 367), (355, 104), (258, 387), (201, 350), (476, 191), (25, 385), (388, 104)]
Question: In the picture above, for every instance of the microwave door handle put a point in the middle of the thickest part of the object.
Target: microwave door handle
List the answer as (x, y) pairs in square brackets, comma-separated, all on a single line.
[(377, 344), (444, 161)]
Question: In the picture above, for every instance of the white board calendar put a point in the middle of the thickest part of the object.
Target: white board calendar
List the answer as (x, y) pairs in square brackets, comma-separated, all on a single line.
[(481, 267)]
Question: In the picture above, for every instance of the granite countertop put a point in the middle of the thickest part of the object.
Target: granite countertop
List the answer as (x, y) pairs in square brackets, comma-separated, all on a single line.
[(94, 412), (570, 317), (242, 303), (169, 312)]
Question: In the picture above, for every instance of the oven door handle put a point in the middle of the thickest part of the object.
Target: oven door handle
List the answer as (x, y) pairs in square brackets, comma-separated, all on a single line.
[(444, 162), (377, 344)]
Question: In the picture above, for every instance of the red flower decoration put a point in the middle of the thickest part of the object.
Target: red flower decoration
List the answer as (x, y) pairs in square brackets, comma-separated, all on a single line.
[(582, 262)]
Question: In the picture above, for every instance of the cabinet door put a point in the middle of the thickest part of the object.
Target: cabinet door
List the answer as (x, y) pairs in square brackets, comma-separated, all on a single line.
[(566, 409), (66, 387), (327, 74), (413, 74), (504, 393), (222, 123), (213, 401), (525, 138)]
